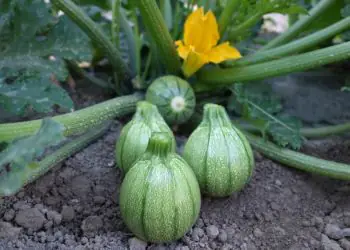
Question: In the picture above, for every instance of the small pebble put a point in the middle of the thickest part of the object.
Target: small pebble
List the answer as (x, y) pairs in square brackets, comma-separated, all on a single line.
[(99, 200), (278, 183), (328, 244), (67, 213), (222, 236), (333, 231), (137, 244), (212, 231), (84, 240), (258, 233), (54, 216), (345, 244)]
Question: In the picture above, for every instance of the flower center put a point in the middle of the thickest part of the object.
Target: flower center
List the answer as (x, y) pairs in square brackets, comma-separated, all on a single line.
[(178, 103)]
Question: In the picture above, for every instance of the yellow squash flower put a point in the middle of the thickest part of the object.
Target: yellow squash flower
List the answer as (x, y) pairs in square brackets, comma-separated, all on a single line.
[(201, 36)]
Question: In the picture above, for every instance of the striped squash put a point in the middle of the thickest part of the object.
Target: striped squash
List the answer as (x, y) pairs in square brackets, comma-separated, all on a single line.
[(160, 196), (135, 135), (174, 98), (219, 154)]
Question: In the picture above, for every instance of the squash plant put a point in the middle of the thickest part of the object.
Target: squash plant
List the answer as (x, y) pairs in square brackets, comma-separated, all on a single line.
[(42, 44)]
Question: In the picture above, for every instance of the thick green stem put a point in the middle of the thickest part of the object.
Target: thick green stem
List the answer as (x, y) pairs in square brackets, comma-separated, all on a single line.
[(75, 122), (250, 22), (116, 22), (226, 15), (301, 24), (121, 70), (155, 25), (50, 161), (296, 46), (326, 131), (217, 76), (300, 161), (134, 53)]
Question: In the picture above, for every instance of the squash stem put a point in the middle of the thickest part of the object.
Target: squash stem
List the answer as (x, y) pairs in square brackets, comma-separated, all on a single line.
[(300, 161), (122, 74), (301, 24), (213, 78), (226, 15), (296, 46), (155, 25), (75, 122), (326, 131)]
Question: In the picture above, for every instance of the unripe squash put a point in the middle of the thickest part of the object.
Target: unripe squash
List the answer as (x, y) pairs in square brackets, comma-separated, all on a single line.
[(174, 98), (135, 135), (219, 154), (160, 196)]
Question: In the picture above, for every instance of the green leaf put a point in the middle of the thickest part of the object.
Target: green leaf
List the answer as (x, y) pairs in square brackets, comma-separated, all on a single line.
[(285, 132), (34, 91), (18, 159), (260, 107), (33, 46), (260, 94)]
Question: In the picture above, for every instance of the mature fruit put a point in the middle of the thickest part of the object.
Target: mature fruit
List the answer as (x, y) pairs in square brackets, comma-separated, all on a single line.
[(219, 154), (135, 135), (174, 98), (160, 197)]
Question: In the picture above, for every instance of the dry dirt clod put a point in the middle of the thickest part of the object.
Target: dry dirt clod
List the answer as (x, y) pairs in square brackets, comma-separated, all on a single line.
[(67, 213), (328, 244), (8, 231), (9, 215), (92, 224), (212, 231), (54, 216), (30, 218)]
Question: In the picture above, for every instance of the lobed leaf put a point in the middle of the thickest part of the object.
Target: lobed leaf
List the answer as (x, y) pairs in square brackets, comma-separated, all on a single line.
[(18, 159)]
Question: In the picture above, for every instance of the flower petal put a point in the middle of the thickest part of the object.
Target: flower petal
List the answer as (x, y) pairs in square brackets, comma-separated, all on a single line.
[(201, 30), (182, 50), (223, 52), (193, 62)]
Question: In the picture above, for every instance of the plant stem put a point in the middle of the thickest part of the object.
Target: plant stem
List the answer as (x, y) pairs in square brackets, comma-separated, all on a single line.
[(300, 161), (75, 67), (155, 25), (301, 24), (75, 122), (50, 161), (326, 131), (296, 46), (116, 22), (237, 31), (226, 15), (137, 42), (131, 39), (122, 73), (224, 77)]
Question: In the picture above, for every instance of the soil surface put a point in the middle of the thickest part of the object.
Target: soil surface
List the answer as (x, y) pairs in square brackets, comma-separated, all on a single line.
[(75, 206)]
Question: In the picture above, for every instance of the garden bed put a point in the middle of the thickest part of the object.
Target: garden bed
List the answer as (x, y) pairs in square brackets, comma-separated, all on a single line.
[(75, 206)]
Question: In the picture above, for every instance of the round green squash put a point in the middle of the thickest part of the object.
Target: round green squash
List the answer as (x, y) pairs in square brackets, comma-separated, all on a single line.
[(174, 98), (160, 196), (219, 154), (135, 135)]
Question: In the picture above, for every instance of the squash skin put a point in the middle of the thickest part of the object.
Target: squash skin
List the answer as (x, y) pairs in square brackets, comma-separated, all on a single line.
[(160, 196), (219, 154), (165, 92), (135, 135)]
